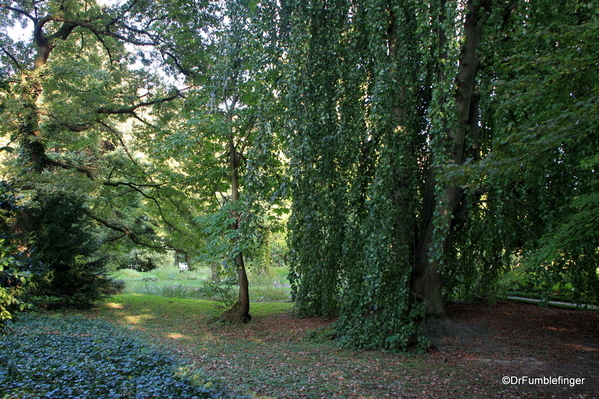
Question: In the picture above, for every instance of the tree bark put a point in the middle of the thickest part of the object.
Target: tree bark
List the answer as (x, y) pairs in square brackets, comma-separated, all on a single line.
[(240, 312), (440, 212)]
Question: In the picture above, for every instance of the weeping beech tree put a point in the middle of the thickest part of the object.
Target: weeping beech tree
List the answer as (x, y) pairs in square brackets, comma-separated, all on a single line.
[(383, 103), (433, 145)]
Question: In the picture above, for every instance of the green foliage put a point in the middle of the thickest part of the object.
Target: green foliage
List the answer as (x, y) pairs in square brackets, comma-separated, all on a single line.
[(400, 167), (14, 284), (168, 282), (402, 162), (144, 260), (64, 263), (357, 165), (61, 357), (541, 173)]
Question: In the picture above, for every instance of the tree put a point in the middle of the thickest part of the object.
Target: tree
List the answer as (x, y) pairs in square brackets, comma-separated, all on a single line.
[(72, 100), (541, 172), (378, 123), (14, 285), (223, 146), (429, 144), (64, 263)]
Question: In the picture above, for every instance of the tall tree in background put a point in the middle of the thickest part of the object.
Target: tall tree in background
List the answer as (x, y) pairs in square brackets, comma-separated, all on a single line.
[(430, 144), (385, 105), (385, 101), (71, 97), (541, 173), (223, 145)]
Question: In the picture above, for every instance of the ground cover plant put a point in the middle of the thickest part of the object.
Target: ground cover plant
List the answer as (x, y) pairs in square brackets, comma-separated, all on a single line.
[(65, 356), (281, 356)]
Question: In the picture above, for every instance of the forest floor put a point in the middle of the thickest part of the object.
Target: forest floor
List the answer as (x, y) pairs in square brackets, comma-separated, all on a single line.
[(273, 357)]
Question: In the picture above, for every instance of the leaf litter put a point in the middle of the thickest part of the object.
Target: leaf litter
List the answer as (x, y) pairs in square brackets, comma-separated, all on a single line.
[(273, 357)]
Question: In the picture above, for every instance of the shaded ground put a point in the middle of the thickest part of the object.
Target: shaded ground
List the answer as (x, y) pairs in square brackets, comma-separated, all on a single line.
[(273, 358), (528, 340), (521, 341)]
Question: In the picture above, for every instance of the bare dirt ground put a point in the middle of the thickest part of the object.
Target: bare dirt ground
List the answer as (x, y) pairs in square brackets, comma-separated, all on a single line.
[(528, 341), (521, 343)]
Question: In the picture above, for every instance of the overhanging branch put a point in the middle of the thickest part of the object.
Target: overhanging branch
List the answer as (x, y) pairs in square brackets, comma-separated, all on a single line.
[(131, 109), (125, 231)]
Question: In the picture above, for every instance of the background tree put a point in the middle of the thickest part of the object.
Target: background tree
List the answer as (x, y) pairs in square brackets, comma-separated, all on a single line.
[(72, 100), (541, 172), (14, 285), (376, 121), (64, 264), (226, 155)]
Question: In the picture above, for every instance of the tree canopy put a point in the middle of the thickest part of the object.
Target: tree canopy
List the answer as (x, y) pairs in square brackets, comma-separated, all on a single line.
[(425, 147)]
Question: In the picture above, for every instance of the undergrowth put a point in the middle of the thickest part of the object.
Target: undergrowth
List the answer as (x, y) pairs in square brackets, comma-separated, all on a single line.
[(72, 357)]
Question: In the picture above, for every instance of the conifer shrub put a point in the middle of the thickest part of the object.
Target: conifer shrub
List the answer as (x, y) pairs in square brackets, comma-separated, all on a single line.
[(13, 283), (63, 261)]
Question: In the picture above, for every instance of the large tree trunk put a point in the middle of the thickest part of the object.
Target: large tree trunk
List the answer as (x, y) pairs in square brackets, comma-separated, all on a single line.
[(443, 211)]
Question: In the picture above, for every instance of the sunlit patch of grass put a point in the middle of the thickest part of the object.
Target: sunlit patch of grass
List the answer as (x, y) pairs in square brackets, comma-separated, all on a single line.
[(137, 319), (113, 305), (176, 336)]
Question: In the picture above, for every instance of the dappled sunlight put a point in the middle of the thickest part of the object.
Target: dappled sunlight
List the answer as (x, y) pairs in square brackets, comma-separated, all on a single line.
[(174, 335), (114, 305), (137, 319)]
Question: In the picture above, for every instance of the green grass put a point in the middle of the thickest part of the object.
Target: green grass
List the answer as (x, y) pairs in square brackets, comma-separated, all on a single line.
[(274, 356), (169, 282)]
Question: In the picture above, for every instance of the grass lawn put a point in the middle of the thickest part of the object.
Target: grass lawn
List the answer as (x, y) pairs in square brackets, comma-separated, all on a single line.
[(272, 357), (169, 282)]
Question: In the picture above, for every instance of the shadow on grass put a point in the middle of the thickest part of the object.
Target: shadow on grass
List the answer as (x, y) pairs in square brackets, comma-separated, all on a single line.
[(192, 320)]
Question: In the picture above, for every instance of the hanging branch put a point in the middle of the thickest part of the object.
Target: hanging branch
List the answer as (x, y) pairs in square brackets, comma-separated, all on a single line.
[(131, 109), (136, 187), (82, 169), (14, 60), (126, 232)]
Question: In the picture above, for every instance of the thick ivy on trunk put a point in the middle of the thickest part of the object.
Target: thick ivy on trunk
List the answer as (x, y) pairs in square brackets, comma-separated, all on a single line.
[(383, 105)]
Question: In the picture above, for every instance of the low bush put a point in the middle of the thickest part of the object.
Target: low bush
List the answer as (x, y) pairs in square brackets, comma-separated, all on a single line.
[(71, 357), (170, 290), (114, 286), (63, 258)]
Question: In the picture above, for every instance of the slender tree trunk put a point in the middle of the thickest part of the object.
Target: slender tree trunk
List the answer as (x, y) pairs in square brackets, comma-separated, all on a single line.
[(240, 312), (439, 212)]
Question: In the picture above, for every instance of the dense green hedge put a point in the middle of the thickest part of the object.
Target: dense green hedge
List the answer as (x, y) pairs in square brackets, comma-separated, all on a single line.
[(71, 357)]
